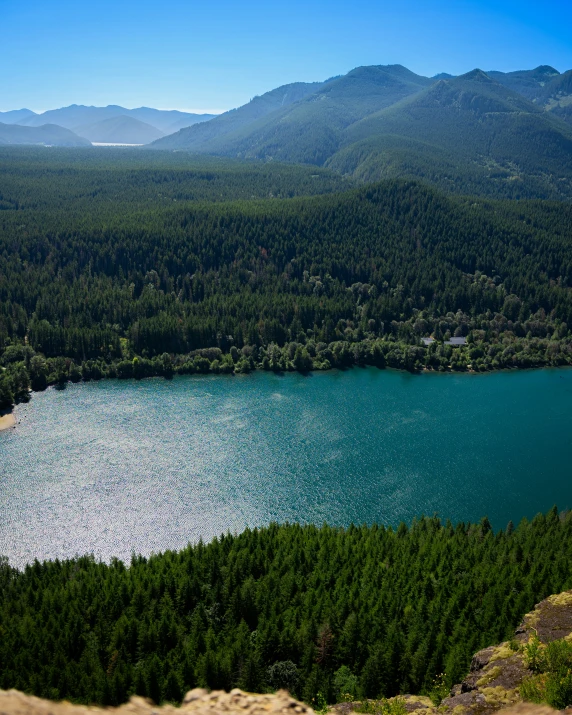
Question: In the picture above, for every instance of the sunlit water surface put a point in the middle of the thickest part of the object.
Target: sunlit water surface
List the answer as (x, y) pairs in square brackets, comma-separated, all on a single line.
[(114, 467)]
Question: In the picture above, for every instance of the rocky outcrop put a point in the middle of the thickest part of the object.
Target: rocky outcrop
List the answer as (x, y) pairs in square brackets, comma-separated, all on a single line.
[(497, 672), (196, 702)]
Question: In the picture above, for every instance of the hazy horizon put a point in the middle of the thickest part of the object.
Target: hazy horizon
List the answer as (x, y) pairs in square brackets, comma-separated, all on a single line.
[(185, 54), (161, 109), (221, 111)]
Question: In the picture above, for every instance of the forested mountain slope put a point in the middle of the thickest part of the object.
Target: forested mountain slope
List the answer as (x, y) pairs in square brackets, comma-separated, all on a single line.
[(469, 134), (544, 85), (199, 138), (309, 130), (528, 83), (280, 606), (498, 135), (334, 280), (557, 96), (503, 135)]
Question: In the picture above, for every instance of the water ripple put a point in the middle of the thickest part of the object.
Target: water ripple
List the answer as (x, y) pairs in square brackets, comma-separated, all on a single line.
[(114, 467)]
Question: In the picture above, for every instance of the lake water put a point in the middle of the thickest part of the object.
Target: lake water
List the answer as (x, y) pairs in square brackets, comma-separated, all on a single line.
[(121, 466)]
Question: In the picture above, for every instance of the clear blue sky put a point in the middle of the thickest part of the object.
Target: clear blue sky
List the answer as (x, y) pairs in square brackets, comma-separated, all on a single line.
[(217, 54)]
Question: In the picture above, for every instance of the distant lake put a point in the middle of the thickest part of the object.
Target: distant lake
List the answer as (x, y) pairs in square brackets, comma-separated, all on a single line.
[(113, 144), (121, 466)]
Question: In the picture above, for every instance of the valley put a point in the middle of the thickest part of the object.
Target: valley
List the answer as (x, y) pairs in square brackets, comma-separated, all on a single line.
[(375, 122), (285, 389)]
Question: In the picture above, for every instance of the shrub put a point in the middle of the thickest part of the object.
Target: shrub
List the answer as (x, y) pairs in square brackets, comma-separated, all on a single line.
[(345, 684), (553, 682), (283, 674)]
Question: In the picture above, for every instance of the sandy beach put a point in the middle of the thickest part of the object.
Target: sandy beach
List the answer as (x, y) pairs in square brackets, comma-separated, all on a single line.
[(7, 421)]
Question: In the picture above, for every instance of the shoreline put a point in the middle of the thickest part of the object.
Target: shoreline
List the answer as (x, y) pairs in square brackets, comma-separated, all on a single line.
[(307, 373), (7, 420)]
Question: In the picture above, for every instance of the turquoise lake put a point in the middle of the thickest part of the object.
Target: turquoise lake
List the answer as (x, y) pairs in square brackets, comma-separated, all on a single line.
[(119, 466)]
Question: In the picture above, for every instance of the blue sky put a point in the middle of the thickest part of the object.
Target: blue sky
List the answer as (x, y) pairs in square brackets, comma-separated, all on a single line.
[(218, 54)]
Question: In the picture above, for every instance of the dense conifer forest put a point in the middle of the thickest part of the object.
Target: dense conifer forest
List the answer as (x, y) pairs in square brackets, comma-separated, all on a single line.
[(114, 266), (362, 611)]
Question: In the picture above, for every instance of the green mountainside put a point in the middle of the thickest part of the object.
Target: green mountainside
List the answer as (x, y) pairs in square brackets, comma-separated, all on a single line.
[(544, 85), (557, 96), (361, 221), (310, 130), (176, 277), (528, 83), (494, 134), (370, 611), (468, 133), (198, 137)]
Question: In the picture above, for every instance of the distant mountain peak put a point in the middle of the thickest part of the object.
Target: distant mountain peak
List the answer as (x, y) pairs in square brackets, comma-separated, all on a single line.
[(122, 129), (547, 70), (398, 72), (476, 75), (477, 92), (14, 116)]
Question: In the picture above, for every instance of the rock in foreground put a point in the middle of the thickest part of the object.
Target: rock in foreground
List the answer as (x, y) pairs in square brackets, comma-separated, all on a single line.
[(197, 702)]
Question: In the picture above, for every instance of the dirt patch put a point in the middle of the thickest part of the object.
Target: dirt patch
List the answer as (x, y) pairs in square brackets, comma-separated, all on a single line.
[(7, 420)]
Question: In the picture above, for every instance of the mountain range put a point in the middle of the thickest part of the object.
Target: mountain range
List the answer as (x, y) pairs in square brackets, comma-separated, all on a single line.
[(112, 124), (493, 133), (490, 133)]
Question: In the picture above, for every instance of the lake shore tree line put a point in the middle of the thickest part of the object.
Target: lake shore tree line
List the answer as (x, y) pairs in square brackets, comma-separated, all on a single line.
[(96, 285), (332, 613)]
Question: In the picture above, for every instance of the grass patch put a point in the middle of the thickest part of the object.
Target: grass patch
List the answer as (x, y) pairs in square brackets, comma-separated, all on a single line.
[(391, 706), (489, 676), (501, 652), (499, 696)]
